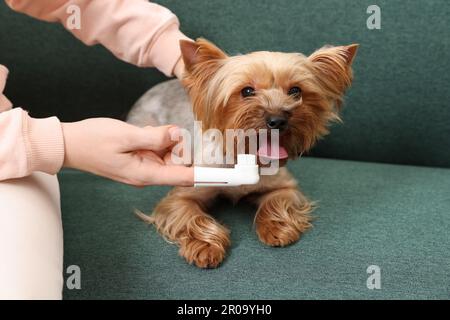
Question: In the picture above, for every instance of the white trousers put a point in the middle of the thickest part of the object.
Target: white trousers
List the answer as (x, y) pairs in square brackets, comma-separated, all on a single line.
[(31, 238)]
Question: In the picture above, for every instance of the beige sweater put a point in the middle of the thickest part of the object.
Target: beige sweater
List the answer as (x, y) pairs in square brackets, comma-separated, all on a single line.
[(136, 31)]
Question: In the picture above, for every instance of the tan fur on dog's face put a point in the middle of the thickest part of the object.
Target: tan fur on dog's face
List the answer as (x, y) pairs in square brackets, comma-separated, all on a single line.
[(215, 81)]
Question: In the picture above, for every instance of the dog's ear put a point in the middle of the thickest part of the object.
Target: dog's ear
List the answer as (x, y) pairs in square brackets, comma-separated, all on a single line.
[(200, 52), (332, 66), (202, 59)]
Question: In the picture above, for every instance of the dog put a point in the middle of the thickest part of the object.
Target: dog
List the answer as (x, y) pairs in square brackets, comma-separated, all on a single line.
[(296, 94)]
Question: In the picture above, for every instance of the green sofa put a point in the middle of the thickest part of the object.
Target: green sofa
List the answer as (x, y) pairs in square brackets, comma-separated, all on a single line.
[(381, 178)]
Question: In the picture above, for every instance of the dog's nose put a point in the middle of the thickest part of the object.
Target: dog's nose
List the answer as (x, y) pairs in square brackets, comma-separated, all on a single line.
[(279, 122)]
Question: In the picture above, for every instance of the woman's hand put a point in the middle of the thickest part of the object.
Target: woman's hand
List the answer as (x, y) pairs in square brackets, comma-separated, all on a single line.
[(125, 153)]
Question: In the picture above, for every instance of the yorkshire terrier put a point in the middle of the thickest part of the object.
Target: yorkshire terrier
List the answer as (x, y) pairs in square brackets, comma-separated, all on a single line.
[(298, 95)]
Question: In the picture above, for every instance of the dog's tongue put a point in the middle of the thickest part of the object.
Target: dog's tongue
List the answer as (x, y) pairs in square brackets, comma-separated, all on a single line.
[(266, 151)]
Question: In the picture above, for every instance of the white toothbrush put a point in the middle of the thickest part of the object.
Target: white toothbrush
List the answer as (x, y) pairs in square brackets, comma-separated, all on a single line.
[(246, 171)]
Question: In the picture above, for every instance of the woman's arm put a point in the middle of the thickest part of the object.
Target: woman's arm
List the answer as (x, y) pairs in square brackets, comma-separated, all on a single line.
[(27, 144), (105, 147), (136, 31)]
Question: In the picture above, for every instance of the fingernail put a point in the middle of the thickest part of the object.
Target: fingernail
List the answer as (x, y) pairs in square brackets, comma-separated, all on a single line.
[(174, 132)]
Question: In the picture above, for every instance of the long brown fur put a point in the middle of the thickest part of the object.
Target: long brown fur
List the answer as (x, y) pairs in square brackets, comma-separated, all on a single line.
[(214, 82)]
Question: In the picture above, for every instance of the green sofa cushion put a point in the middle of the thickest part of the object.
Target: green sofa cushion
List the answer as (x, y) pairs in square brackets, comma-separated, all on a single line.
[(396, 112), (396, 217)]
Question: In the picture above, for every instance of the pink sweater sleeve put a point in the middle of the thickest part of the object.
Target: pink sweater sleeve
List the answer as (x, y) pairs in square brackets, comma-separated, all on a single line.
[(27, 144), (136, 31)]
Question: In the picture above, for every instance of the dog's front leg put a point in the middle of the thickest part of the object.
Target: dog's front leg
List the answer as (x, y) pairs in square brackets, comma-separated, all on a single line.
[(181, 217), (282, 216)]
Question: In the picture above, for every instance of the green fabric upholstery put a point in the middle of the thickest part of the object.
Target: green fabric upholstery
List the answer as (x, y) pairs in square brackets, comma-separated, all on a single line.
[(393, 216), (396, 217), (396, 112)]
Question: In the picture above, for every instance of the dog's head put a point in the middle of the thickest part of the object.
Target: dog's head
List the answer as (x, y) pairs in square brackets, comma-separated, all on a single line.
[(296, 94)]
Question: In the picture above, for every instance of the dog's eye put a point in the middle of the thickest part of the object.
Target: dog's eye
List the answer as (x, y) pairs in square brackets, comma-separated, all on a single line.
[(248, 92), (295, 92)]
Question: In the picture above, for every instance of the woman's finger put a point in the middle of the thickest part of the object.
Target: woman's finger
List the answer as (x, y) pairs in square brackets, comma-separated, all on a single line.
[(170, 175), (156, 138)]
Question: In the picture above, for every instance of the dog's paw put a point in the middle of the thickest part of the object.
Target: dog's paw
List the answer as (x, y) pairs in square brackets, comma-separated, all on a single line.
[(282, 218), (202, 253), (277, 233)]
